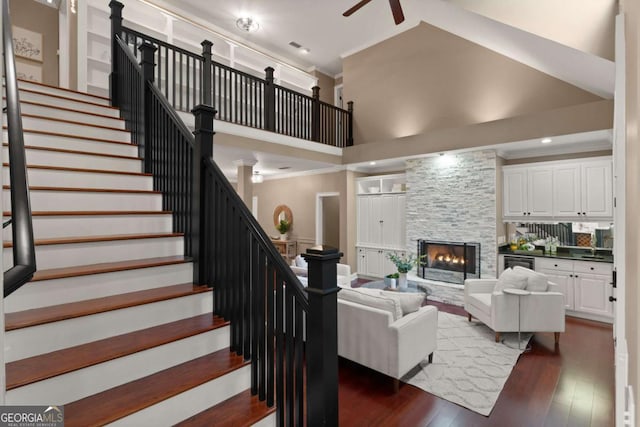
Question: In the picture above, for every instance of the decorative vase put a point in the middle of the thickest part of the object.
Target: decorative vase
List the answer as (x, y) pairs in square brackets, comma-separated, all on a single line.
[(283, 236), (402, 281), (390, 282)]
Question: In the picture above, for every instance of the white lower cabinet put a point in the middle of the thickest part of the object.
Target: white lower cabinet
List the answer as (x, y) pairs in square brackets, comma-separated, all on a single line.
[(586, 286), (374, 262)]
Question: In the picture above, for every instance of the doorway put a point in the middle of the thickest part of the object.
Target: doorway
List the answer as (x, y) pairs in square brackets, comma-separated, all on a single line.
[(328, 219)]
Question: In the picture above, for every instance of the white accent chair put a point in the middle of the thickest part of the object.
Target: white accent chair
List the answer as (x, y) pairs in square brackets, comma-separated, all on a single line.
[(542, 310), (374, 331), (299, 267)]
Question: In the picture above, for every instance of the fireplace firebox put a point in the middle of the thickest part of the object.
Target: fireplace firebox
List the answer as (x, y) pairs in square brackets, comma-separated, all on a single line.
[(451, 262)]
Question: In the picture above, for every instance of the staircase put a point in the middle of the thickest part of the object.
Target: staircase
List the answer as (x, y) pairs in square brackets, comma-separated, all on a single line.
[(111, 326)]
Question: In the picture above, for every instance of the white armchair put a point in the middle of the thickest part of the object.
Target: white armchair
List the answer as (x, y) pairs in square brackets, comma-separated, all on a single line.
[(541, 310), (299, 267)]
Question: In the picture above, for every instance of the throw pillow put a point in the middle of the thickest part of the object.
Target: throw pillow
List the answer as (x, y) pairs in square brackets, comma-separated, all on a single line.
[(536, 282), (301, 262), (371, 298), (510, 279), (408, 302)]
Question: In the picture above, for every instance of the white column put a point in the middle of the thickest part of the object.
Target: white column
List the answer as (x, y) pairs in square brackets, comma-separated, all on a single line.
[(245, 185)]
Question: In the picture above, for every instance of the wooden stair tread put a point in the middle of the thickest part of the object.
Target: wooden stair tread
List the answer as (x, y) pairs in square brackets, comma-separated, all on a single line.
[(70, 135), (107, 267), (71, 169), (48, 365), (118, 402), (93, 239), (62, 89), (84, 153), (55, 313), (243, 409), (91, 213), (71, 110), (89, 190), (72, 122), (52, 95)]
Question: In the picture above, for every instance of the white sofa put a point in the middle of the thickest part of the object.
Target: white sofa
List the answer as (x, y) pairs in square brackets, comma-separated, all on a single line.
[(299, 267), (373, 331), (543, 309)]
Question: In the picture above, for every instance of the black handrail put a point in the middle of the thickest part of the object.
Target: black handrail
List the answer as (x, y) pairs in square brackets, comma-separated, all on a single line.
[(239, 97), (269, 310), (24, 255)]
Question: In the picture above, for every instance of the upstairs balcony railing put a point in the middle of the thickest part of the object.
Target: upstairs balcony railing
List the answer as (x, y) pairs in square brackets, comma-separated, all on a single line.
[(186, 78)]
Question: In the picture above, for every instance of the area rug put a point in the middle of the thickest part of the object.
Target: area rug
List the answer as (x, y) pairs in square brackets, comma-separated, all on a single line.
[(469, 368)]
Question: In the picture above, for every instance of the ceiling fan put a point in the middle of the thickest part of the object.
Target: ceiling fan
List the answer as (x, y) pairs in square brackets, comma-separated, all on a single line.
[(396, 9)]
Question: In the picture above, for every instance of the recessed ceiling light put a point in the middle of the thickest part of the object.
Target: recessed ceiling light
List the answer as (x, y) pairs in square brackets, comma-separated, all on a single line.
[(372, 163), (247, 24), (256, 178), (305, 50), (546, 140)]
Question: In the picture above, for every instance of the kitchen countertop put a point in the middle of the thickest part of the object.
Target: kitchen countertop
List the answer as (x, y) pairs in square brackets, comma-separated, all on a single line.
[(573, 254)]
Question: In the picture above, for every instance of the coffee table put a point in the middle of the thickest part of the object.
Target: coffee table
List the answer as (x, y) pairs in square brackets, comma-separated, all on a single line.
[(412, 287)]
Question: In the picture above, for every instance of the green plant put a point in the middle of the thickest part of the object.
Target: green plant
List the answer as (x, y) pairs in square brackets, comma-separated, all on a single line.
[(283, 226), (393, 276), (403, 263)]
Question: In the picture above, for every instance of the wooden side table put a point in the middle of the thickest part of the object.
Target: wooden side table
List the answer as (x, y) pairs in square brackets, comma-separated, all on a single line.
[(286, 248)]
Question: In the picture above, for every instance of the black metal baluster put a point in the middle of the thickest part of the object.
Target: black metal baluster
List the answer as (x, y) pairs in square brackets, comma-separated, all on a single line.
[(289, 347), (279, 307), (261, 330), (255, 280), (270, 335), (299, 378)]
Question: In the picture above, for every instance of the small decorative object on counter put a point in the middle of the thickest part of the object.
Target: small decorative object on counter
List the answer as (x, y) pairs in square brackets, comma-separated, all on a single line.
[(554, 245)]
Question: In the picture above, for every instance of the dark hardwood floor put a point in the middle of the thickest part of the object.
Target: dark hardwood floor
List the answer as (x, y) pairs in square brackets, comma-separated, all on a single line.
[(569, 386)]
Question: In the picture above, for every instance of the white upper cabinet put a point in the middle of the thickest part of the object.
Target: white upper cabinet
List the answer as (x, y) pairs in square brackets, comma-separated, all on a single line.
[(566, 190), (526, 192)]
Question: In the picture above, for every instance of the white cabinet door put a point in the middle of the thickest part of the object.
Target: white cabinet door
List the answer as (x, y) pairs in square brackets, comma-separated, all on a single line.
[(539, 192), (592, 294), (567, 191), (565, 281), (515, 192), (597, 189), (375, 220), (375, 265), (363, 220), (389, 230), (362, 261)]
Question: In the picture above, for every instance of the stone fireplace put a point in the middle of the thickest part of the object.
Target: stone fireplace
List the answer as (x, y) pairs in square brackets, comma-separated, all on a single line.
[(453, 198), (446, 261)]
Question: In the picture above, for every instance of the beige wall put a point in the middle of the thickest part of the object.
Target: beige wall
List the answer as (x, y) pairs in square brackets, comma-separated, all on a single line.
[(326, 84), (426, 79), (299, 193), (42, 19), (591, 30), (331, 221), (632, 193)]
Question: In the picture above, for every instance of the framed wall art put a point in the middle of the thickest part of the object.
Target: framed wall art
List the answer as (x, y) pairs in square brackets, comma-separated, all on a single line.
[(27, 44)]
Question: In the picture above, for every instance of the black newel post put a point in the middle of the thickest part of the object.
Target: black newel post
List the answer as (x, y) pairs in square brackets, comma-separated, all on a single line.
[(116, 30), (269, 101), (202, 150), (350, 124), (315, 114), (207, 73), (145, 144), (322, 336)]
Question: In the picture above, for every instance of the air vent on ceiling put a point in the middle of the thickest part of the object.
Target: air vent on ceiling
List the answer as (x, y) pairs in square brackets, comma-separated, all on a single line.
[(296, 45), (282, 168)]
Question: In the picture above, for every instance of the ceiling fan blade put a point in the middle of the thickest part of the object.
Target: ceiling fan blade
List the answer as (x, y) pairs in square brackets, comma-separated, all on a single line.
[(396, 9), (356, 7)]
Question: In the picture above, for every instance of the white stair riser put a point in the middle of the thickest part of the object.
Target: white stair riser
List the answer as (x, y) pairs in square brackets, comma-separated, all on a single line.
[(75, 116), (94, 379), (62, 92), (67, 179), (27, 342), (45, 200), (71, 289), (80, 161), (34, 123), (182, 406), (67, 143), (96, 225), (43, 98), (67, 255)]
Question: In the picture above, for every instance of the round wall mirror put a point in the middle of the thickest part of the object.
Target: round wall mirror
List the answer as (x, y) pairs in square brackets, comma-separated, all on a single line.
[(282, 212)]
